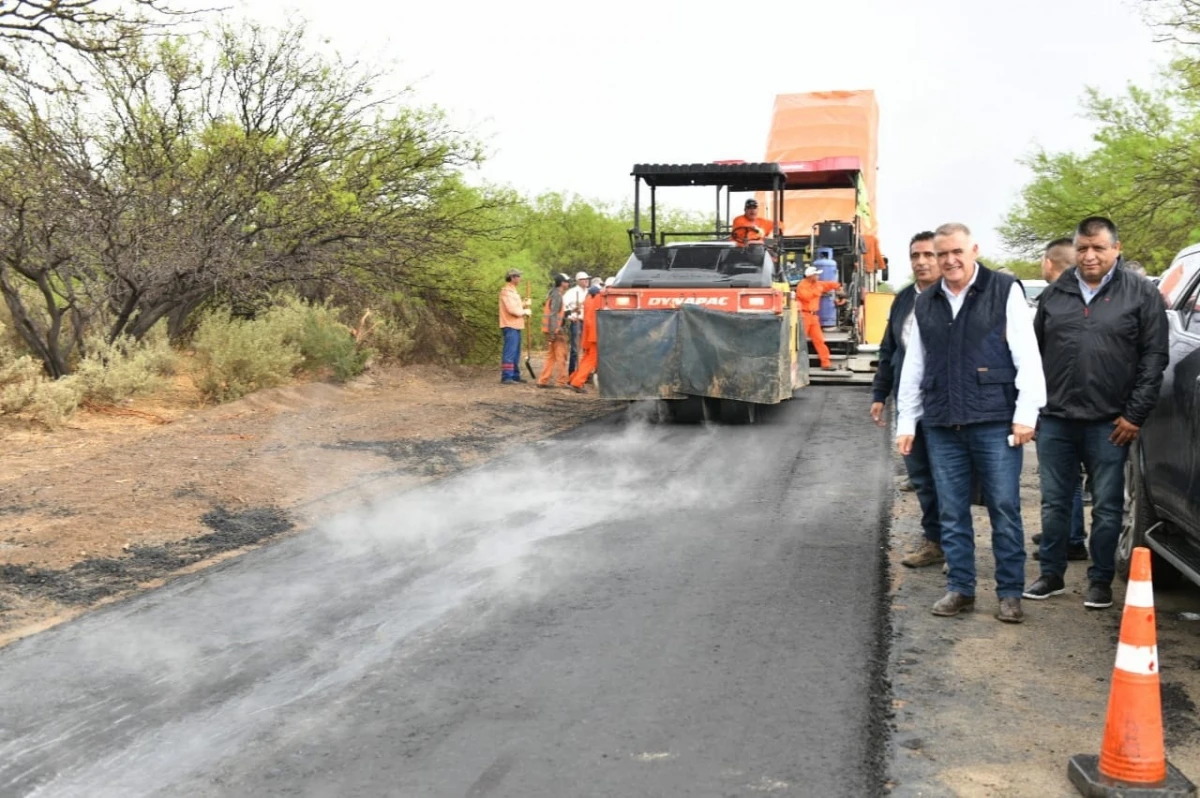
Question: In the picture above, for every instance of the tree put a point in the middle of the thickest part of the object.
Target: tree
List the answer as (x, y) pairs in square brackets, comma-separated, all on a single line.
[(1144, 173), (195, 177), (52, 28)]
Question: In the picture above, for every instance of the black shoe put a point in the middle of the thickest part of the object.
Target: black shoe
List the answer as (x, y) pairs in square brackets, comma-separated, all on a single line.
[(1044, 587), (1098, 596), (1037, 538)]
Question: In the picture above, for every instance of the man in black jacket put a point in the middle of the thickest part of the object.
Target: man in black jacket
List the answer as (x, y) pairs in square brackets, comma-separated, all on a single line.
[(1102, 332), (887, 378)]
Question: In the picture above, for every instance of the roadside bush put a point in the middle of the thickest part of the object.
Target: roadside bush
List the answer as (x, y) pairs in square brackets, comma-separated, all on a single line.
[(25, 388), (324, 342), (238, 356), (114, 371)]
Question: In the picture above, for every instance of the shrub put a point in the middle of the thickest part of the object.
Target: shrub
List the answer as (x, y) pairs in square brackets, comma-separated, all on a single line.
[(238, 356), (110, 372), (25, 388), (324, 342)]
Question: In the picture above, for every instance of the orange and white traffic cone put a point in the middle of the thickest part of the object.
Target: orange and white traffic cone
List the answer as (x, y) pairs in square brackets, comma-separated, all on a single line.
[(1133, 759)]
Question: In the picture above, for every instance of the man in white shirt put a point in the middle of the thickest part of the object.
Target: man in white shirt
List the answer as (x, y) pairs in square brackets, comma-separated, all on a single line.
[(973, 378), (573, 301)]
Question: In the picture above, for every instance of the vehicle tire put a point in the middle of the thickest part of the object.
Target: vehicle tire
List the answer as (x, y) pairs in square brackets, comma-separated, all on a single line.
[(736, 412), (1139, 518), (692, 410)]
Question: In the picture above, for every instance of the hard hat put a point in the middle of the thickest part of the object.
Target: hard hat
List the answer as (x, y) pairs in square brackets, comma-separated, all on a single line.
[(751, 203), (561, 278), (511, 273), (811, 270), (609, 281), (581, 276)]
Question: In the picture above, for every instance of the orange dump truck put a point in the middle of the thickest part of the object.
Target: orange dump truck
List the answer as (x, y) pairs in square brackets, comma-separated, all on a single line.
[(833, 228)]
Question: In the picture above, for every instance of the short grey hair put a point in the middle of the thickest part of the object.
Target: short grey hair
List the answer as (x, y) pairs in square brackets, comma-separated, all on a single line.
[(950, 228)]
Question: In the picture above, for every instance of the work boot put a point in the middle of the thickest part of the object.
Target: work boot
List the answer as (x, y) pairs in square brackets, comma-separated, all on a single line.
[(578, 389), (1037, 538), (928, 553), (1044, 587), (1010, 611), (952, 604)]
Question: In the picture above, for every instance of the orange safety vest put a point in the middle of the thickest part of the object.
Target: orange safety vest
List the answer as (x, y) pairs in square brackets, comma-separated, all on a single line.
[(546, 312), (745, 236)]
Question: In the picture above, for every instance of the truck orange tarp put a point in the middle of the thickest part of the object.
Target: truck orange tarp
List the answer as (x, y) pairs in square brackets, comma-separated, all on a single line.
[(807, 127)]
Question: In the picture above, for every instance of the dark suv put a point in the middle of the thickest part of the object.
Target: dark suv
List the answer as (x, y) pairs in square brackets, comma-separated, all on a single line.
[(1163, 473)]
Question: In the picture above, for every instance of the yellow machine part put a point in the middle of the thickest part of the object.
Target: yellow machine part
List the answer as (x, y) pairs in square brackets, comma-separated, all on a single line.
[(875, 311)]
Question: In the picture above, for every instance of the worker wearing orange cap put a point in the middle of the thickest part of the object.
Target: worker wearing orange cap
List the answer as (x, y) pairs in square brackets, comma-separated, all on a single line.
[(748, 228), (808, 294), (587, 364)]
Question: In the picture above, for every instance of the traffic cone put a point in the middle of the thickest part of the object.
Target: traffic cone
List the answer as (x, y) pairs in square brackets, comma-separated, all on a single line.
[(1133, 760)]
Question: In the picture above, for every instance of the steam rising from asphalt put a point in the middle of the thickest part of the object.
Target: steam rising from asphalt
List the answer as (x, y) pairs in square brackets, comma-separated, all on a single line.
[(364, 589)]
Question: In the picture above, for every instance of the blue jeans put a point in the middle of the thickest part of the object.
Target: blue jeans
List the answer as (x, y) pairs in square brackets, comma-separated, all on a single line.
[(510, 359), (1078, 536), (979, 451), (921, 475), (1062, 445), (576, 334)]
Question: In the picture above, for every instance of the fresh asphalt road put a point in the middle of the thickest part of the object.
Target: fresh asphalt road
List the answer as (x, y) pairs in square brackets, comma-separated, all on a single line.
[(625, 610)]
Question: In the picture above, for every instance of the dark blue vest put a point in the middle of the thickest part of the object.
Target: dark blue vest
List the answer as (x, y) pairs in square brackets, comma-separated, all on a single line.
[(970, 377)]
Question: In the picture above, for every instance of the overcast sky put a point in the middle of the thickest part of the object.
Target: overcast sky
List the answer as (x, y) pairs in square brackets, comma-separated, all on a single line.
[(569, 96)]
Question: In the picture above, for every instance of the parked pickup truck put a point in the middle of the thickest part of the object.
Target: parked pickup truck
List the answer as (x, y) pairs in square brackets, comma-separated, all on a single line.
[(1162, 478)]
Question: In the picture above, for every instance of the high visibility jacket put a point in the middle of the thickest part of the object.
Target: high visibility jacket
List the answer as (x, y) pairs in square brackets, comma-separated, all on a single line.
[(511, 308), (809, 293), (552, 312), (745, 236), (589, 319)]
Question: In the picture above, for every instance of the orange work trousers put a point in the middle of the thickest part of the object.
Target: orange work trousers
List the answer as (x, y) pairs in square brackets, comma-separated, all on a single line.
[(556, 360), (586, 368), (812, 331)]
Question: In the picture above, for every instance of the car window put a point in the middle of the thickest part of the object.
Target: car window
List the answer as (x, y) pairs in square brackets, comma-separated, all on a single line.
[(1190, 309), (1176, 279)]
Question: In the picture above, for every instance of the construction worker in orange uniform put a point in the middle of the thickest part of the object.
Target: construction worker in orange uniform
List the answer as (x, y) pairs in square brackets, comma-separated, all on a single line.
[(587, 364), (808, 294), (748, 228), (557, 337)]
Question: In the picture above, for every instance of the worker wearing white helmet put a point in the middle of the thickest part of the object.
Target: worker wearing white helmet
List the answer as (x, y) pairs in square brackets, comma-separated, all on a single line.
[(573, 304)]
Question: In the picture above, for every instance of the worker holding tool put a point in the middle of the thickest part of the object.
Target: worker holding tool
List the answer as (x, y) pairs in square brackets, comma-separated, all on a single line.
[(748, 228), (513, 311), (587, 364), (808, 294), (557, 340)]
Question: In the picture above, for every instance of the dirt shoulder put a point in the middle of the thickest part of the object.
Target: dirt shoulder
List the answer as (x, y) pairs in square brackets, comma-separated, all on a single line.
[(990, 709), (123, 498)]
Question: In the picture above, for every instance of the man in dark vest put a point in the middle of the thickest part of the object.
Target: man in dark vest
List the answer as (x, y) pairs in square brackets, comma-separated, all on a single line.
[(887, 378), (973, 378), (1104, 341)]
